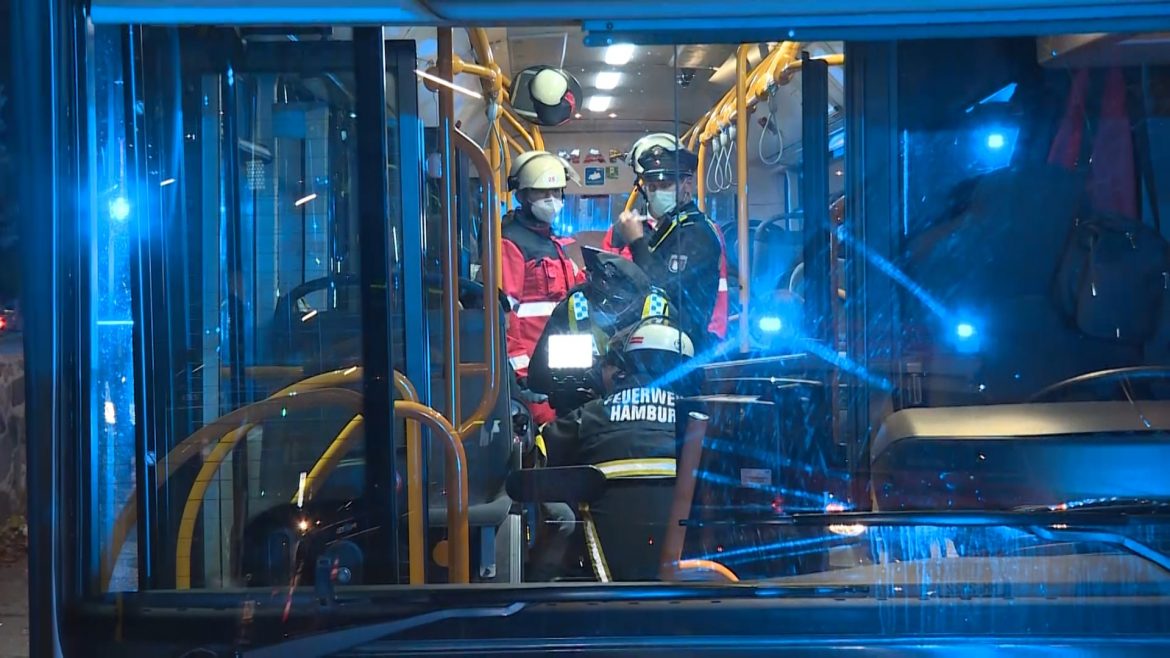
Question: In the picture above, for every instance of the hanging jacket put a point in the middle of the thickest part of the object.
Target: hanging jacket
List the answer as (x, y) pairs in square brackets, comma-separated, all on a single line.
[(685, 256)]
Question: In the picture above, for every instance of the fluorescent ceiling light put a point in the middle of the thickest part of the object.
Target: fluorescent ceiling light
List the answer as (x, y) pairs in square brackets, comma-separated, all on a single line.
[(619, 53), (305, 199), (439, 81), (607, 79), (598, 103)]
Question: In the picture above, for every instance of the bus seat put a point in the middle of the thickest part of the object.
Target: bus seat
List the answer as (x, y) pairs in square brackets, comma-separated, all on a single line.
[(1006, 456), (622, 546), (776, 252), (491, 451)]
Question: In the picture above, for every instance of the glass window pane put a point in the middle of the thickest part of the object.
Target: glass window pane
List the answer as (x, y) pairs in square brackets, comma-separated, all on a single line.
[(234, 202)]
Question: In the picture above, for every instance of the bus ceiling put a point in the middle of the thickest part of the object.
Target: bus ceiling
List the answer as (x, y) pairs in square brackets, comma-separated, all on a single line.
[(687, 21)]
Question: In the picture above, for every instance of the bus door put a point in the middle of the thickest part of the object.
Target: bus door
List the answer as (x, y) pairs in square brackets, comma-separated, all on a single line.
[(253, 190)]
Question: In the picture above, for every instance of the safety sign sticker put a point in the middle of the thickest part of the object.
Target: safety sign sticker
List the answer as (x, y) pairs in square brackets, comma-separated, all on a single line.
[(611, 173), (755, 477), (594, 176)]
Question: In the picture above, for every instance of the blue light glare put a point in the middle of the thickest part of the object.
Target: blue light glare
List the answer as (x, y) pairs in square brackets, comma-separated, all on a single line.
[(119, 209), (996, 141), (771, 324), (965, 330)]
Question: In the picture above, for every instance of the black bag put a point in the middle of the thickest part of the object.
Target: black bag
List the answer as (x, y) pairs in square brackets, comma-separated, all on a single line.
[(1113, 278)]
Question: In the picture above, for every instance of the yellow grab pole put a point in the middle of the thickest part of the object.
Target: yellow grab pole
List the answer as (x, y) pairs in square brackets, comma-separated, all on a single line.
[(511, 141), (631, 199), (490, 261), (701, 177), (741, 166), (501, 177), (458, 533), (528, 137), (416, 520)]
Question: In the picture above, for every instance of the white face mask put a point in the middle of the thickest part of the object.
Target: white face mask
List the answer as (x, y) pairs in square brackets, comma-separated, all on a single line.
[(546, 209), (662, 202)]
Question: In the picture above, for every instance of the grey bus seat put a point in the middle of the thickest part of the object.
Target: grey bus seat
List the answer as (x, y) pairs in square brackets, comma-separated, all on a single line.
[(491, 452)]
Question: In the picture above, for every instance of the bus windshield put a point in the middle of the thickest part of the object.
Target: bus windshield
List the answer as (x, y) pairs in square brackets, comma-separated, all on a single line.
[(525, 308)]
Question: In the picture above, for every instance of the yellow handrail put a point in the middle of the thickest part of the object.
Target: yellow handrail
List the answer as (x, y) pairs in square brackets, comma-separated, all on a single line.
[(194, 445), (490, 259), (741, 174), (416, 520), (180, 454), (458, 533), (232, 427), (708, 565), (721, 113)]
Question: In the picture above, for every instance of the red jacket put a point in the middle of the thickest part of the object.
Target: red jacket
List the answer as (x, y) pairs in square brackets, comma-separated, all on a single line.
[(718, 324), (536, 275)]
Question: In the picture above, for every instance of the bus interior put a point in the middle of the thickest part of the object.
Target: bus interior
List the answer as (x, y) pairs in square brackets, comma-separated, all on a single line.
[(946, 273)]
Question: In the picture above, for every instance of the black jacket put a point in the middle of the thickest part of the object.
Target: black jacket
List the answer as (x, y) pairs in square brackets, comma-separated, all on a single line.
[(682, 258), (636, 421)]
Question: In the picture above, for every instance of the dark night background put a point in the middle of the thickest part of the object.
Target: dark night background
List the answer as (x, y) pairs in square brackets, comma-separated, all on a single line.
[(9, 253)]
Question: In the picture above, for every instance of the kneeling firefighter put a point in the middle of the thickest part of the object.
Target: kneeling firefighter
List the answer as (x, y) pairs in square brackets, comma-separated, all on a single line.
[(616, 294), (630, 435)]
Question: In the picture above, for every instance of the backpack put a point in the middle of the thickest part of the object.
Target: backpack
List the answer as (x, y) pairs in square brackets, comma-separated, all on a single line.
[(1113, 279)]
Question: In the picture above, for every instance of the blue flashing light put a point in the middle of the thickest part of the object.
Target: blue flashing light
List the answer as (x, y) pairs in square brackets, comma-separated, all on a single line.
[(119, 209), (965, 330), (771, 324), (996, 141)]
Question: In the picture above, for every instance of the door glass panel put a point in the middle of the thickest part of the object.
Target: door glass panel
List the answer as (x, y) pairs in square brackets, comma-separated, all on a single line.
[(227, 301)]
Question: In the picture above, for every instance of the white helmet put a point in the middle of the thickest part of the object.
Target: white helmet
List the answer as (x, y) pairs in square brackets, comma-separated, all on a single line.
[(540, 170), (665, 140), (550, 97), (659, 336)]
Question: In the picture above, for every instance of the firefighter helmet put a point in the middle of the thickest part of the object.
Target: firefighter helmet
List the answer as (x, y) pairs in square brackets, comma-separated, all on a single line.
[(661, 336), (540, 170)]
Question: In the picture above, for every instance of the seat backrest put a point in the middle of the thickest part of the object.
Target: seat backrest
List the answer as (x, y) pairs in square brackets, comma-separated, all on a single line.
[(624, 529), (776, 254), (1005, 456)]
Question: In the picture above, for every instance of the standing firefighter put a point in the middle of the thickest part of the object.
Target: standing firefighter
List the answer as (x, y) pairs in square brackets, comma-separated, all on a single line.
[(536, 272), (684, 253)]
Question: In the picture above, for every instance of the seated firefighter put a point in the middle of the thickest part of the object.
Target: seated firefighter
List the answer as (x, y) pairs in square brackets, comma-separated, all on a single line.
[(616, 295), (630, 435)]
